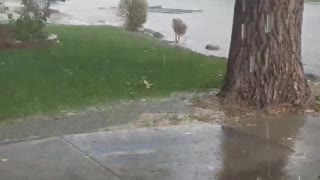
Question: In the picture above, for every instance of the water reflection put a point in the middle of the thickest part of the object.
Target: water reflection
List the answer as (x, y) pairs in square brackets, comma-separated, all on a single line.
[(249, 155), (304, 163), (311, 37), (261, 148), (191, 152)]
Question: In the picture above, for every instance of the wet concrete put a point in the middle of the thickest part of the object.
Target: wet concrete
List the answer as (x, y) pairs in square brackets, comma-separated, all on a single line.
[(275, 148), (281, 148), (48, 159)]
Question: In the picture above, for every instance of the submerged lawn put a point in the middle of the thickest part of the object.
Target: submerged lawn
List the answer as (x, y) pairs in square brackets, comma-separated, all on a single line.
[(96, 64)]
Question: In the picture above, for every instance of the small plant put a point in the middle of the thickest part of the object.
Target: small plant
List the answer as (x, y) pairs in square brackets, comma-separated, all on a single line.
[(32, 21), (134, 13), (179, 28)]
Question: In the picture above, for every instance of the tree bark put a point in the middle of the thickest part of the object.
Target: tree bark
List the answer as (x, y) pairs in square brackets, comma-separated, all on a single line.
[(264, 64)]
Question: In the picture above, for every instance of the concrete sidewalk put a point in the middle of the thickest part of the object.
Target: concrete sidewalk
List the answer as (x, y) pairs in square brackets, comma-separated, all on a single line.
[(192, 152), (49, 159)]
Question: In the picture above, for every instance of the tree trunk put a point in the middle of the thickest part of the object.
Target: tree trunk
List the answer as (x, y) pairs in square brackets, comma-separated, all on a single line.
[(264, 65)]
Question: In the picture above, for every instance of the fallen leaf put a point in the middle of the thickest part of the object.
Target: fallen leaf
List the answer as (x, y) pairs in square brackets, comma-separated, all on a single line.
[(148, 85)]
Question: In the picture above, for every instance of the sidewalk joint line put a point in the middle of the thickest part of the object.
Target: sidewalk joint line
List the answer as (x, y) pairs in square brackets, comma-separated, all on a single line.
[(89, 156)]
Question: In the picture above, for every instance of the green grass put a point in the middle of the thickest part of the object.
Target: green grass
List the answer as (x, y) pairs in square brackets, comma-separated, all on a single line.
[(97, 64)]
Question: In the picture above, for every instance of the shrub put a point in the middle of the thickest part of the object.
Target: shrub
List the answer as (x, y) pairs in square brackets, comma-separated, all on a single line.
[(134, 13), (179, 27), (32, 21)]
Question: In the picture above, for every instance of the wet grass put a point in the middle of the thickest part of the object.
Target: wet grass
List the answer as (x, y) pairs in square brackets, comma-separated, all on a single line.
[(93, 65)]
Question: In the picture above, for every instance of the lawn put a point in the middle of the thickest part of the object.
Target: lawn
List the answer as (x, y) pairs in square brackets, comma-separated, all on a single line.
[(94, 65)]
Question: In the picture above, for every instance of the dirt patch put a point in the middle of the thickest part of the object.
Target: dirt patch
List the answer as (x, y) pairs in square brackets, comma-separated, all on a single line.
[(34, 43), (206, 108), (201, 107)]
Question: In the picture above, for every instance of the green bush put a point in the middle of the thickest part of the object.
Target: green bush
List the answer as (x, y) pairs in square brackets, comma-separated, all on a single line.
[(134, 13), (31, 22)]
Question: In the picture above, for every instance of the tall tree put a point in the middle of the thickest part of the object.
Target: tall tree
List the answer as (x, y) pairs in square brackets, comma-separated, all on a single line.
[(264, 65)]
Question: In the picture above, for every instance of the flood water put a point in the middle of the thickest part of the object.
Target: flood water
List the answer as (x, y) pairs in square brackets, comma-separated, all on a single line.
[(311, 38), (213, 25)]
